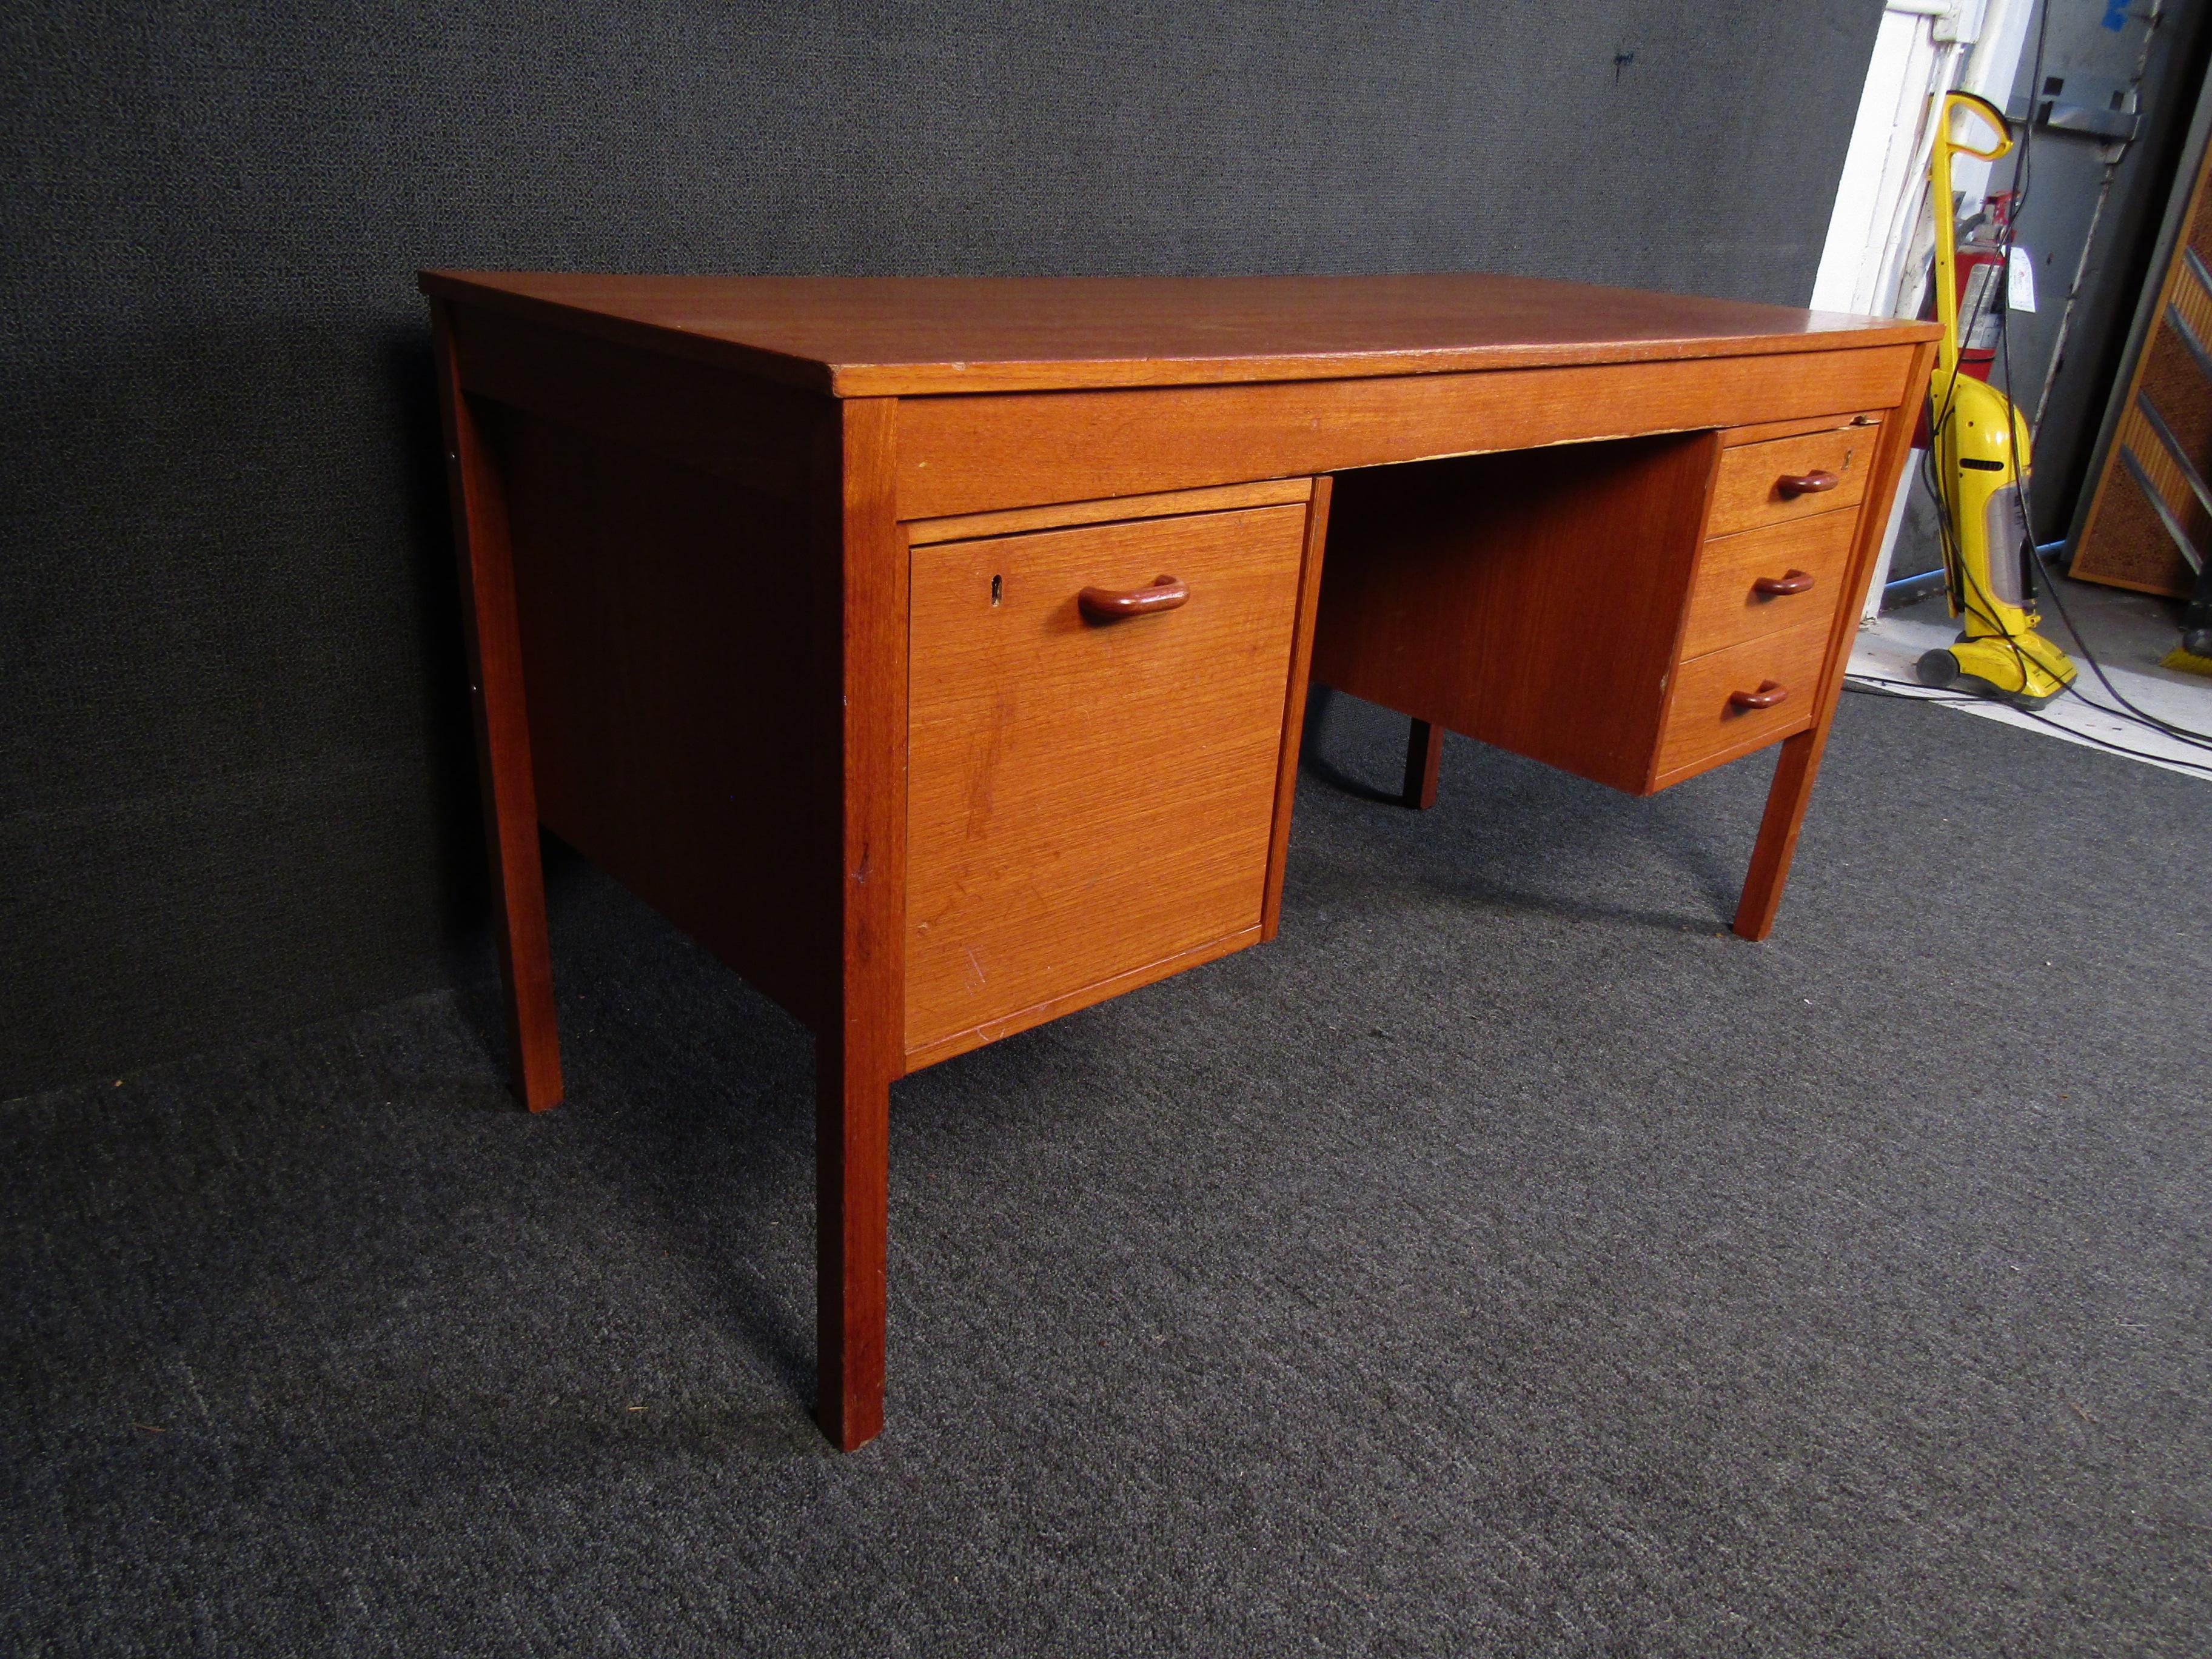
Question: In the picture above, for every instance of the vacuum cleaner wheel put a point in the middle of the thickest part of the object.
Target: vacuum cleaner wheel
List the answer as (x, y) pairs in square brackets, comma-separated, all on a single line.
[(1938, 669)]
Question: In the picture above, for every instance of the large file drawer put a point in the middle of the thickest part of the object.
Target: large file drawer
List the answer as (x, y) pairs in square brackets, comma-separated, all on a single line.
[(1088, 798)]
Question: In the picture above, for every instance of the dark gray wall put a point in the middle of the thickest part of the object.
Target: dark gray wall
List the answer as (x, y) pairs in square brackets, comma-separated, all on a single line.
[(2066, 182), (237, 786)]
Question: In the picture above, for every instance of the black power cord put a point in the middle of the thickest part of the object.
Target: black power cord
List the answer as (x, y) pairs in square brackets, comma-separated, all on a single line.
[(2023, 178), (1965, 587), (1874, 685)]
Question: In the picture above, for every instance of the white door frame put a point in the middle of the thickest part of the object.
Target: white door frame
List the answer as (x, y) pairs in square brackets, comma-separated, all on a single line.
[(1881, 235)]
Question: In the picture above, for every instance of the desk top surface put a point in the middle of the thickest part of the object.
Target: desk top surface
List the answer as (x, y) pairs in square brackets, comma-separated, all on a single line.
[(919, 336)]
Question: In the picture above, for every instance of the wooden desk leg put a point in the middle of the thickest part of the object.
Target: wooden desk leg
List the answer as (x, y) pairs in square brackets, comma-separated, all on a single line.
[(852, 1200), (1425, 755), (1794, 772), (486, 558), (1294, 707), (863, 1048), (1799, 763)]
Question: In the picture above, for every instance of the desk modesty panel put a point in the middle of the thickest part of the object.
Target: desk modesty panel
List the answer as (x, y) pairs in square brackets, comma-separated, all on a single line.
[(935, 650)]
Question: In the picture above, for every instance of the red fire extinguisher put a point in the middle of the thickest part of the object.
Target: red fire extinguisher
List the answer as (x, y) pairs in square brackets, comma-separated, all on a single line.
[(1981, 270), (1982, 294)]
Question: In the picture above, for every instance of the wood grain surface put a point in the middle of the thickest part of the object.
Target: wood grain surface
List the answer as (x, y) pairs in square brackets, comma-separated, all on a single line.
[(1083, 996), (892, 774), (492, 634), (1273, 492), (1424, 756), (910, 336), (859, 705), (1726, 607), (976, 454), (1531, 599), (1799, 763), (1765, 430), (1294, 702), (1702, 728), (746, 430), (669, 631), (1750, 491), (1086, 798)]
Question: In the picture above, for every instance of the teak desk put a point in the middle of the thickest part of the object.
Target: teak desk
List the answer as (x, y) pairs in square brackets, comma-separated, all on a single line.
[(935, 650)]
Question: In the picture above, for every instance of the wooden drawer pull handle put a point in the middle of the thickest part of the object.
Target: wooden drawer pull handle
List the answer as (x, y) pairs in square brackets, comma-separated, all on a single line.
[(1109, 604), (1806, 484), (1796, 581), (1770, 693)]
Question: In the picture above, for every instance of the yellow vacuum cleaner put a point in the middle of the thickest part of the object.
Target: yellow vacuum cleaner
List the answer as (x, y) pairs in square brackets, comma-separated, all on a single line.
[(1981, 468)]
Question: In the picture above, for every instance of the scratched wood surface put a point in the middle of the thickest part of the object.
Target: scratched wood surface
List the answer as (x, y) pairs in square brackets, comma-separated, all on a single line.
[(974, 454), (913, 336)]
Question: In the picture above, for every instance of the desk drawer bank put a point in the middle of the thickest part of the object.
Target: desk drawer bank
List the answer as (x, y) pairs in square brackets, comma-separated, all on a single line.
[(935, 651)]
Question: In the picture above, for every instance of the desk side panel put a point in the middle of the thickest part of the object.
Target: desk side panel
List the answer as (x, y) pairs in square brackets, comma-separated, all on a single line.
[(1532, 600), (669, 639), (977, 454), (710, 420)]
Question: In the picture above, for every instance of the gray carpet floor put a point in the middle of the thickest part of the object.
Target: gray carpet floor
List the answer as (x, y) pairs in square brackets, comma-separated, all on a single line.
[(1506, 1260)]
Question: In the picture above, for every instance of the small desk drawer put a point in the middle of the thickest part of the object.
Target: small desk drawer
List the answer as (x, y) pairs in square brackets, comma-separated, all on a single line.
[(1086, 798), (1801, 562), (1707, 718), (1791, 477)]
